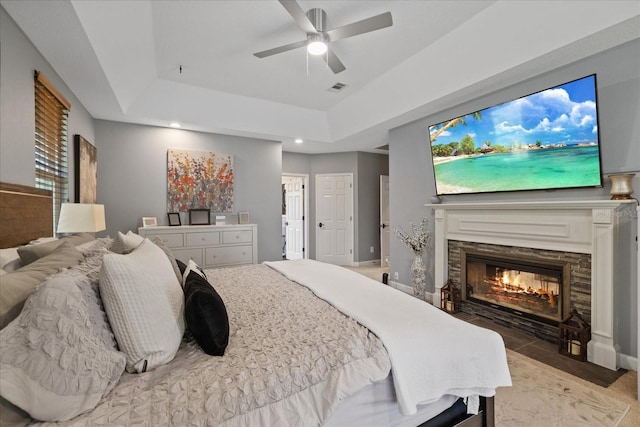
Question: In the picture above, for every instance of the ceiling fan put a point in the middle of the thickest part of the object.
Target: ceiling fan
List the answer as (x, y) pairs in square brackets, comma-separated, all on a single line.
[(313, 23)]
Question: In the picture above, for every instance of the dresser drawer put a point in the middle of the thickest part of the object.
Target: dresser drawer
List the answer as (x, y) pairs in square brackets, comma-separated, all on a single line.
[(185, 255), (241, 236), (171, 240), (229, 256), (203, 239)]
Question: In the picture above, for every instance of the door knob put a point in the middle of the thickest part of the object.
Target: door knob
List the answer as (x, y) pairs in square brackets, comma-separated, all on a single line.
[(320, 225)]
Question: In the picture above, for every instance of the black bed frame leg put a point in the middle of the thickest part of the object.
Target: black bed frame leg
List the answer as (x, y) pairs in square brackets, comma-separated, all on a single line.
[(488, 414)]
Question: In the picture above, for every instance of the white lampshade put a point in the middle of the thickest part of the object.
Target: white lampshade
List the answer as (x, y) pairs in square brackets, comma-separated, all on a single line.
[(81, 218)]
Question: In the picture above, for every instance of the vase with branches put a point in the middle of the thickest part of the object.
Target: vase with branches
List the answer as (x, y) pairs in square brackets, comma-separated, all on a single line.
[(417, 241)]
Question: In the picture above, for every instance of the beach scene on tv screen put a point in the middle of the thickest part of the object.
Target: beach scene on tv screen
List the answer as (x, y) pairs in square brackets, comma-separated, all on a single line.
[(546, 140)]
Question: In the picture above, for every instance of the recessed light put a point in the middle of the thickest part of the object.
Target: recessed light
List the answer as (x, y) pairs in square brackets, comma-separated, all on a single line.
[(298, 141), (174, 125)]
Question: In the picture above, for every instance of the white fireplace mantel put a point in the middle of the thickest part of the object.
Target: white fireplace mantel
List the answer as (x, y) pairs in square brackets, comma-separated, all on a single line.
[(602, 228)]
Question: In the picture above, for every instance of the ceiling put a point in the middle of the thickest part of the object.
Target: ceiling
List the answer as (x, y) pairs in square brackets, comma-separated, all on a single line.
[(154, 62)]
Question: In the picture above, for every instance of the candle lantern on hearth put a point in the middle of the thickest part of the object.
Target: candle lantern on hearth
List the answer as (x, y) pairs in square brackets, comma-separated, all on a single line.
[(575, 333), (450, 297)]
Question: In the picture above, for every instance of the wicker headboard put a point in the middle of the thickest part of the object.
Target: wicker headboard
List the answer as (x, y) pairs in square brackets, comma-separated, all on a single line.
[(26, 213)]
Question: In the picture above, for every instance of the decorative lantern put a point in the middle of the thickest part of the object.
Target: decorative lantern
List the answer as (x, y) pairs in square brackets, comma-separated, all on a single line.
[(450, 298), (575, 333)]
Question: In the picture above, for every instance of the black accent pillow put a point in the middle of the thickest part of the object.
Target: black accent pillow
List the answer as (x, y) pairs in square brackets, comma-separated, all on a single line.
[(181, 265), (205, 315)]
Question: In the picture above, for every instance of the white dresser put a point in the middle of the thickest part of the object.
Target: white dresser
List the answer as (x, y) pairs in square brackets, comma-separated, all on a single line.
[(209, 246)]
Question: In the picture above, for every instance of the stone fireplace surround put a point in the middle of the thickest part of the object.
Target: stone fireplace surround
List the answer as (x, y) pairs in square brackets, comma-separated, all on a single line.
[(577, 277), (603, 229)]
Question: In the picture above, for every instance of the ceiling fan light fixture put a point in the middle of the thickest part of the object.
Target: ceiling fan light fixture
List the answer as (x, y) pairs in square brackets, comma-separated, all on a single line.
[(317, 48), (317, 45)]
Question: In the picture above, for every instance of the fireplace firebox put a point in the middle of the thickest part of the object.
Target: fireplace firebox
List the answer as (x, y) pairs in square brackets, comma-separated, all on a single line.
[(522, 287)]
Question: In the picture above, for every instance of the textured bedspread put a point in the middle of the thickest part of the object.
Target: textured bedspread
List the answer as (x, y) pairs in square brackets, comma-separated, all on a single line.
[(291, 357)]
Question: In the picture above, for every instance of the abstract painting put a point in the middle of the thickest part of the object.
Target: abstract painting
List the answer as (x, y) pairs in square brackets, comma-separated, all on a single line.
[(199, 179), (86, 171)]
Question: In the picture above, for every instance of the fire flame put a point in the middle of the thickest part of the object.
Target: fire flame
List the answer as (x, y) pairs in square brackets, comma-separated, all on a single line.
[(506, 280)]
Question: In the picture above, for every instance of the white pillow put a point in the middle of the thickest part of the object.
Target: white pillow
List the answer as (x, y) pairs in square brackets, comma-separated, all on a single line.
[(145, 305), (125, 243)]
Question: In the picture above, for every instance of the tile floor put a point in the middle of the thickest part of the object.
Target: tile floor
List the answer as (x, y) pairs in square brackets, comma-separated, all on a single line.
[(622, 385)]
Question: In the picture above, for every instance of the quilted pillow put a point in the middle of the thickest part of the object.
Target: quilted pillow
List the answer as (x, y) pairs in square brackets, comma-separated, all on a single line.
[(125, 243), (205, 314), (144, 302), (18, 285), (55, 360), (174, 262)]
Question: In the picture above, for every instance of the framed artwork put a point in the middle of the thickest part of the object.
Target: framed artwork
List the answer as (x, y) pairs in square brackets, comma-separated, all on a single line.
[(199, 217), (86, 170), (199, 180), (174, 218), (243, 217), (149, 221)]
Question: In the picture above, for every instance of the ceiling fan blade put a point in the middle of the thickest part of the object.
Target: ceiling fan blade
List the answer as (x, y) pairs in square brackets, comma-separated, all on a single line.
[(299, 16), (359, 27), (280, 49), (334, 63)]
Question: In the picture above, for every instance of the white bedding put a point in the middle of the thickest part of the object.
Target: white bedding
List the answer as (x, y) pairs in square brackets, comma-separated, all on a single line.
[(376, 406), (432, 353)]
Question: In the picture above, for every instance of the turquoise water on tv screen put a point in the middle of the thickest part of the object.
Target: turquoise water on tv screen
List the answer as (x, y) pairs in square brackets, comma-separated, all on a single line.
[(571, 166)]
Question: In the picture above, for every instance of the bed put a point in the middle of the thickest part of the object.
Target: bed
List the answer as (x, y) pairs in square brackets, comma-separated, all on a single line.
[(298, 351)]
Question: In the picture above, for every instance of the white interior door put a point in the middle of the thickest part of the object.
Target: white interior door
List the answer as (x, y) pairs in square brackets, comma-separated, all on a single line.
[(385, 221), (294, 218), (334, 218)]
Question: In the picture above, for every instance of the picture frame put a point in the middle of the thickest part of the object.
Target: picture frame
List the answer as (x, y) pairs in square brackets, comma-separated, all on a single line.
[(199, 217), (85, 171), (243, 217), (174, 218), (149, 221)]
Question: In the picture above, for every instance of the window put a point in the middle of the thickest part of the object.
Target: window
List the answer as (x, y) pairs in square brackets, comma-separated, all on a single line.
[(52, 111)]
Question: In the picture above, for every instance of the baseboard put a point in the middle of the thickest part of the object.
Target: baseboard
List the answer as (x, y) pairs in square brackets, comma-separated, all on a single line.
[(401, 287), (630, 363), (369, 263)]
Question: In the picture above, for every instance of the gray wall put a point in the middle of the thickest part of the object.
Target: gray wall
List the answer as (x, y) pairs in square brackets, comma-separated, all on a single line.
[(132, 177), (366, 169), (618, 79), (19, 59)]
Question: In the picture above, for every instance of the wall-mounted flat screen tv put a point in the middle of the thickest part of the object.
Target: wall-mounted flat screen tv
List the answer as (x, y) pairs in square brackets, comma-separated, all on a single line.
[(543, 141)]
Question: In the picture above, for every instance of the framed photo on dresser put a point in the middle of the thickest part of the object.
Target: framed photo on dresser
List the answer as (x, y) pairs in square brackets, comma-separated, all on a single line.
[(174, 218), (199, 217)]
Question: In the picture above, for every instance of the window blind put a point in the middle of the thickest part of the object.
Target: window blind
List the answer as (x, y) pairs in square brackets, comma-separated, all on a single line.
[(51, 115)]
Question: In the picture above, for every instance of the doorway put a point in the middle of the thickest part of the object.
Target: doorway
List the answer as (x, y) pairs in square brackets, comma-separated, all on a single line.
[(385, 221), (294, 213), (334, 218)]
